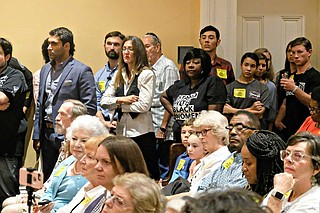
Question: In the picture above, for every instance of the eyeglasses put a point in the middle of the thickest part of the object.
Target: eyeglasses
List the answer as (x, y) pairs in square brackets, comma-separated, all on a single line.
[(295, 156), (313, 110), (129, 49), (117, 201), (239, 127), (203, 132)]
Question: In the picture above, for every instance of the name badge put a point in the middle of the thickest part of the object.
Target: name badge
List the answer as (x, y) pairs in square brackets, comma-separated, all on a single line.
[(222, 73), (85, 201), (239, 93), (181, 164), (228, 162), (102, 85), (57, 174)]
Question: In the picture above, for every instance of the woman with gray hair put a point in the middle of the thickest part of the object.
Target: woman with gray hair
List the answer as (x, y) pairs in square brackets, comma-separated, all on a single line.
[(211, 129), (66, 178)]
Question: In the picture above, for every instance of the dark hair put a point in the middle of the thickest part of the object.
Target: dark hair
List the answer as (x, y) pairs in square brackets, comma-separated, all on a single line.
[(253, 119), (65, 36), (251, 55), (313, 144), (44, 50), (205, 61), (266, 147), (114, 34), (188, 122), (315, 95), (287, 62), (7, 47), (262, 56), (210, 28), (302, 41), (140, 59), (127, 152), (225, 201)]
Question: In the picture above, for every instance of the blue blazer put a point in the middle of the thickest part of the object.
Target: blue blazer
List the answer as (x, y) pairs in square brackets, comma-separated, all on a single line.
[(76, 82)]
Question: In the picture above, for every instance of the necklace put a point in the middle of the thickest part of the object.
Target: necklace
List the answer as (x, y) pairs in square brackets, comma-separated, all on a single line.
[(74, 169)]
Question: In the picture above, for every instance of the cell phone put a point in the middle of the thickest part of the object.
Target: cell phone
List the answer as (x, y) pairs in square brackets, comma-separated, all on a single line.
[(30, 177), (43, 202)]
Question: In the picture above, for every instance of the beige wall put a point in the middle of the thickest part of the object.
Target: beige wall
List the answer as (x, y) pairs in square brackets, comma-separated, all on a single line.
[(27, 23)]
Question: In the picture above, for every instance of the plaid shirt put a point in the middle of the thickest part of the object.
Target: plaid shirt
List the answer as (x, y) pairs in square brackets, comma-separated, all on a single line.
[(220, 67)]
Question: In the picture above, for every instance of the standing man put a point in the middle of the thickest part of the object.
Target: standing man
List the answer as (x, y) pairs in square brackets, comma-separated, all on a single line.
[(13, 89), (61, 79), (112, 47), (294, 109), (209, 41), (166, 74)]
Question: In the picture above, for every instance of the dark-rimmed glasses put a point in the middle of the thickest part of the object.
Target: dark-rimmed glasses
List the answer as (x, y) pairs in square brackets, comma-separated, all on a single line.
[(203, 132), (239, 127)]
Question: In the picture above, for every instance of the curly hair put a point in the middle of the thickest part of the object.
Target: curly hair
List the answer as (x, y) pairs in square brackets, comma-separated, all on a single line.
[(266, 147)]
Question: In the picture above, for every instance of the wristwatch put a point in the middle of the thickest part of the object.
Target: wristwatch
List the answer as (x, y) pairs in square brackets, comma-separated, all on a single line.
[(277, 195), (163, 129)]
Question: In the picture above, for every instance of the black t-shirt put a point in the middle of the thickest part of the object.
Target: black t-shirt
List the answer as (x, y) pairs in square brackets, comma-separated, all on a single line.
[(296, 112), (188, 103), (13, 84)]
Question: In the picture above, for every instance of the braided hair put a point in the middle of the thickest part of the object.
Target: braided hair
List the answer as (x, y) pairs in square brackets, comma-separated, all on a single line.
[(266, 146)]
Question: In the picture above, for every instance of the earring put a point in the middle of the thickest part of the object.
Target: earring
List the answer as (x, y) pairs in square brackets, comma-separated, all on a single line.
[(313, 181), (201, 72)]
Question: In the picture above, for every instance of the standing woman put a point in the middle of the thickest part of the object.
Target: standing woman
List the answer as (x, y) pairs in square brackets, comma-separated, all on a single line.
[(196, 92), (246, 92), (130, 94)]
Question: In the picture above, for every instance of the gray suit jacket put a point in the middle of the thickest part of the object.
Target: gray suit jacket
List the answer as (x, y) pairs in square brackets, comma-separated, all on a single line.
[(76, 82)]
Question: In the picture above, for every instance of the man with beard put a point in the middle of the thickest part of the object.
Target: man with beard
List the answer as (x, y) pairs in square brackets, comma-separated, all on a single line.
[(13, 90), (166, 74), (112, 47), (241, 126)]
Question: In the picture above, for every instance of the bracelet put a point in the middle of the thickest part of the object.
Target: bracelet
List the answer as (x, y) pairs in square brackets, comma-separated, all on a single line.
[(163, 129), (295, 89)]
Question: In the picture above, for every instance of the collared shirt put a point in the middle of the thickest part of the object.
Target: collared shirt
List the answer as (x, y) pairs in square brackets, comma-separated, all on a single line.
[(83, 199), (207, 165), (142, 124), (102, 79), (229, 174), (51, 86), (166, 74)]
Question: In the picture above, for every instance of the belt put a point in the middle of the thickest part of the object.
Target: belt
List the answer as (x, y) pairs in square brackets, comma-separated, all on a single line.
[(49, 125)]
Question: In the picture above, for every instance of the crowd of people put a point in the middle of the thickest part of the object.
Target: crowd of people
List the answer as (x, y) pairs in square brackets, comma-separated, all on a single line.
[(103, 140)]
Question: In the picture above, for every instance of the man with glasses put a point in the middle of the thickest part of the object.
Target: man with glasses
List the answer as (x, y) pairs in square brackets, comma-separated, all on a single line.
[(311, 124), (166, 74), (112, 48), (294, 108), (229, 174)]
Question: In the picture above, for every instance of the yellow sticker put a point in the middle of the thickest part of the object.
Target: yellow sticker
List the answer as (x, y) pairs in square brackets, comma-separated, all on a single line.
[(27, 95), (222, 73), (291, 76), (102, 85), (85, 201), (181, 164), (239, 93), (57, 174), (228, 162)]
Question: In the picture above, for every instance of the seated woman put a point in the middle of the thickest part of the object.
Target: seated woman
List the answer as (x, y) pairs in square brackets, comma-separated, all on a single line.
[(115, 155), (246, 92), (92, 189), (196, 92), (297, 189), (261, 160), (67, 180), (134, 193)]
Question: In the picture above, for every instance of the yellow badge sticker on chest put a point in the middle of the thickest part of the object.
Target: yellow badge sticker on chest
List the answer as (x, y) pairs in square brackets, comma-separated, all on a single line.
[(181, 164), (86, 201), (239, 93), (222, 73), (60, 171), (228, 162), (102, 85)]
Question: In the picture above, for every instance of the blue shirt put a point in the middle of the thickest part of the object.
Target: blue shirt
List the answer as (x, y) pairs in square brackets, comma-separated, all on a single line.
[(182, 166), (229, 174), (102, 79)]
